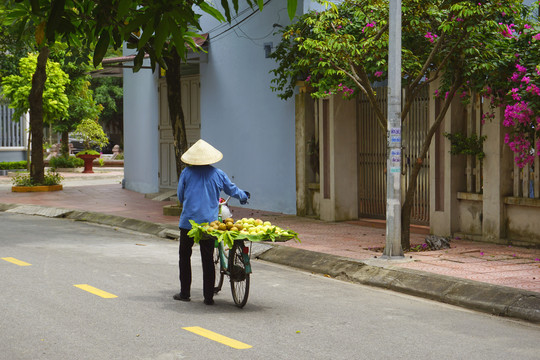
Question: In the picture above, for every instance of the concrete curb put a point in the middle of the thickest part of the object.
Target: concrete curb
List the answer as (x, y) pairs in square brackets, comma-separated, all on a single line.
[(492, 299), (487, 298), (118, 221)]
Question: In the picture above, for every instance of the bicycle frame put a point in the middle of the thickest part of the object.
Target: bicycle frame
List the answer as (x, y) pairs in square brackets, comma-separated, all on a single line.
[(224, 261)]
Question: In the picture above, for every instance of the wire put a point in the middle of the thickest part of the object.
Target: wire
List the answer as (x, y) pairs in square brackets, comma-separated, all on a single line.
[(253, 40), (240, 22), (225, 24)]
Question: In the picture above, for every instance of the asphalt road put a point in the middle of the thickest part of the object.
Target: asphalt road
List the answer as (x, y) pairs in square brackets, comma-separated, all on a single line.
[(54, 273)]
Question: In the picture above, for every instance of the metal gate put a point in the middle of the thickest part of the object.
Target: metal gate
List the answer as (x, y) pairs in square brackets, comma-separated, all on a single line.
[(372, 157), (12, 134)]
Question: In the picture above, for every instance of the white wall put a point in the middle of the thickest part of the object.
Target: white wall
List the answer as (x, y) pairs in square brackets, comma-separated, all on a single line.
[(242, 117)]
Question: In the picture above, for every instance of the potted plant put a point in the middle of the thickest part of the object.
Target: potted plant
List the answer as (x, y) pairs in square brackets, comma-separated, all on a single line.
[(92, 135)]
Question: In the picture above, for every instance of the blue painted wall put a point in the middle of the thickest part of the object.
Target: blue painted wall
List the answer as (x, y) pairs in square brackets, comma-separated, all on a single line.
[(141, 138), (241, 116)]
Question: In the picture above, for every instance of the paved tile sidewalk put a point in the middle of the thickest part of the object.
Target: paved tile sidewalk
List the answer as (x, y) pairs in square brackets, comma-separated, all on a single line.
[(102, 192)]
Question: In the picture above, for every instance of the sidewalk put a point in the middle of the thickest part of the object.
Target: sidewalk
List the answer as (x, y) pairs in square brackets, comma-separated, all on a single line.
[(497, 279)]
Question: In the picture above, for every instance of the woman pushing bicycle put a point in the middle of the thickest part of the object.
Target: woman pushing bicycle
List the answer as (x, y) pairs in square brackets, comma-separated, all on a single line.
[(199, 189)]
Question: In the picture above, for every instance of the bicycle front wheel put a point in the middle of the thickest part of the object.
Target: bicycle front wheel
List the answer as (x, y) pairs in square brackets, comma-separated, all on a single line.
[(220, 275), (238, 275)]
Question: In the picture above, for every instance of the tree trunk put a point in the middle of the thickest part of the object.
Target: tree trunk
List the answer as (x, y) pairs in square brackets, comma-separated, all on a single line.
[(176, 114), (411, 190), (407, 203), (37, 172), (65, 144)]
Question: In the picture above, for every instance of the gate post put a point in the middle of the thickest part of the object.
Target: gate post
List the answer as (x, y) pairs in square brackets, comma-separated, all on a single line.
[(304, 112), (447, 172), (497, 180), (339, 159)]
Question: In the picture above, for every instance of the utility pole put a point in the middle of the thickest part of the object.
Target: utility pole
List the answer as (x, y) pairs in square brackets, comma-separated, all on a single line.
[(393, 249)]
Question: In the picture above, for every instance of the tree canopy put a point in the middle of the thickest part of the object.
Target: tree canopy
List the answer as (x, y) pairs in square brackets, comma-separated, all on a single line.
[(343, 51), (100, 24), (17, 88)]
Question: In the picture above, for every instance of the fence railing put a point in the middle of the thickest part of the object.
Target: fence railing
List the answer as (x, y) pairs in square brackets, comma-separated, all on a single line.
[(372, 157), (473, 169), (12, 133), (527, 180)]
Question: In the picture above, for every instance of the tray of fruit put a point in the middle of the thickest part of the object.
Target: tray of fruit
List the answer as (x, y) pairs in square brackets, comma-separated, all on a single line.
[(250, 229)]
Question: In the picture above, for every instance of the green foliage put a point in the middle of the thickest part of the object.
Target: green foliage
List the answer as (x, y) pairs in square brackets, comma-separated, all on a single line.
[(91, 133), (24, 179), (13, 165), (108, 92), (88, 152), (101, 24), (11, 51), (65, 162), (344, 49), (17, 88), (463, 145), (82, 104)]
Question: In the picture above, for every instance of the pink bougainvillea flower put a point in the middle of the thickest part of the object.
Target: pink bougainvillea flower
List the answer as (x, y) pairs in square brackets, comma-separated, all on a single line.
[(507, 31), (369, 25), (378, 73), (536, 37), (514, 94), (526, 80), (430, 36), (521, 68), (533, 89)]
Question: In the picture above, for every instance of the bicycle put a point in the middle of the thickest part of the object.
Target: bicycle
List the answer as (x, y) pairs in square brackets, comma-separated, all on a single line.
[(235, 263)]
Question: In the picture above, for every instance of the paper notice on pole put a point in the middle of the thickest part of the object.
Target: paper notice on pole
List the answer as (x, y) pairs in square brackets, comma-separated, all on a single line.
[(395, 135), (395, 157)]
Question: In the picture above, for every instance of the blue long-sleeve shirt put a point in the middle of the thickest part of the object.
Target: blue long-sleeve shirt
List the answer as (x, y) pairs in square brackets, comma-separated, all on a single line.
[(199, 188)]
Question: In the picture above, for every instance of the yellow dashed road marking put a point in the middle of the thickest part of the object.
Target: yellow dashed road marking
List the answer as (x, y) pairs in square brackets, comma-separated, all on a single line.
[(95, 291), (15, 261), (217, 337)]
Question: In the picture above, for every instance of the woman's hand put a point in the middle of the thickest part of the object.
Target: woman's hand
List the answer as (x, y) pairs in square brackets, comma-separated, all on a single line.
[(244, 202)]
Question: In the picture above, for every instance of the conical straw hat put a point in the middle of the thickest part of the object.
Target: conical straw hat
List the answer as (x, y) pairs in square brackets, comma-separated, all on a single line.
[(201, 153)]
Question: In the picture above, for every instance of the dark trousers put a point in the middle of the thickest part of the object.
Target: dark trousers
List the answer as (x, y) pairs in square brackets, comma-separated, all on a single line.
[(184, 263)]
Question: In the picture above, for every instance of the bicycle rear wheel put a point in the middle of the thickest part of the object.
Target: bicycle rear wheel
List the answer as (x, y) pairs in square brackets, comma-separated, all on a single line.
[(238, 275), (220, 275)]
